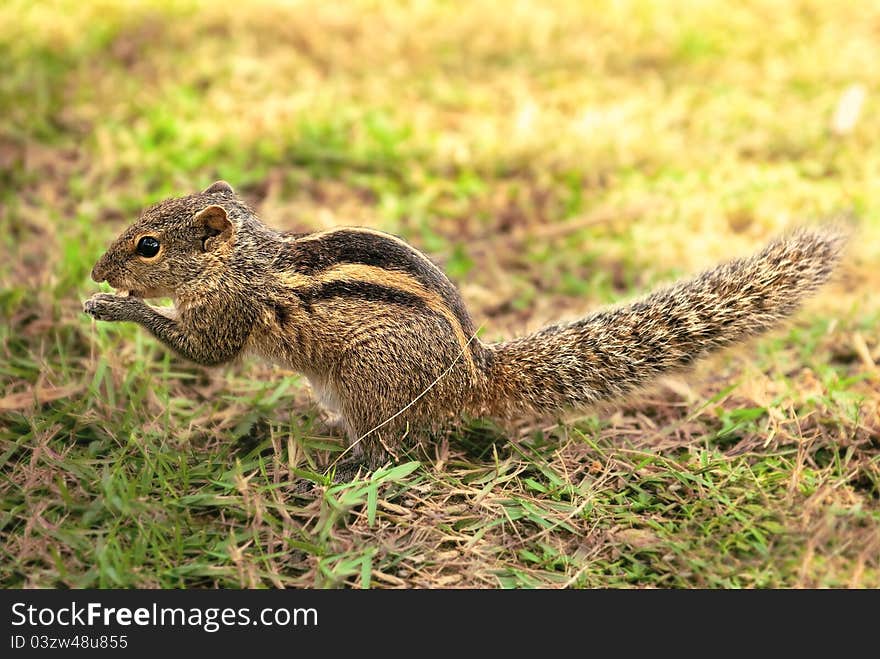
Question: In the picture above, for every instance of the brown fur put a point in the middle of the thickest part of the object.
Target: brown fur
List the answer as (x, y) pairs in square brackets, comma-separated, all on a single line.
[(384, 337)]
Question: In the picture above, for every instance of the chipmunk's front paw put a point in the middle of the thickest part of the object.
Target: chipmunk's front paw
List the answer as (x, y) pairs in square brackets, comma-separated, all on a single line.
[(104, 306)]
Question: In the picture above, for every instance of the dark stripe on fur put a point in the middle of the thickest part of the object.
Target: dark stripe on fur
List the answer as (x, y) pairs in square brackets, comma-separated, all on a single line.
[(360, 290), (312, 257)]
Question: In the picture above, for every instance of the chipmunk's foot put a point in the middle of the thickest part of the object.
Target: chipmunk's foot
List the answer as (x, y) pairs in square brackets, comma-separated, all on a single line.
[(347, 471)]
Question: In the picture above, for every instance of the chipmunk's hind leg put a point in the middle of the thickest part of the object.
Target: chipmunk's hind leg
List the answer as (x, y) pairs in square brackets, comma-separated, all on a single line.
[(361, 458), (374, 449)]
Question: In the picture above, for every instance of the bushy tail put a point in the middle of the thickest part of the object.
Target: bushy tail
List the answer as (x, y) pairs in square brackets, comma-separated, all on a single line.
[(614, 351)]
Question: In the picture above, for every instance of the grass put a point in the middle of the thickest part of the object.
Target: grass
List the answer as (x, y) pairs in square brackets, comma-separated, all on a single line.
[(552, 160)]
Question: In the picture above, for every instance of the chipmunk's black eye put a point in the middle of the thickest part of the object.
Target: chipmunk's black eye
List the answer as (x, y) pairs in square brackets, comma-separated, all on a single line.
[(147, 247)]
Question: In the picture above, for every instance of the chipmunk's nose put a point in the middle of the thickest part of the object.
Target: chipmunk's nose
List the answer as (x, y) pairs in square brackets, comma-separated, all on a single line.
[(99, 272)]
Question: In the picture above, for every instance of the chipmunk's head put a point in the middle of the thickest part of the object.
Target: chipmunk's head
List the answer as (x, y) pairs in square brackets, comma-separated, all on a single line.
[(173, 245)]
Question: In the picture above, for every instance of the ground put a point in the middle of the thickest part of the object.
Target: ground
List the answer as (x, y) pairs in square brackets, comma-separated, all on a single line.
[(553, 158)]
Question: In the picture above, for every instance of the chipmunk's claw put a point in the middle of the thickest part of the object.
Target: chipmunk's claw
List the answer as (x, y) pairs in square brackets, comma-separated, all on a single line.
[(105, 306)]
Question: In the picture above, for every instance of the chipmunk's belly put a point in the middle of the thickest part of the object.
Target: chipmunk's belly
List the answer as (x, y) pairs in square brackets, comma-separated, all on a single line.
[(328, 400), (324, 394)]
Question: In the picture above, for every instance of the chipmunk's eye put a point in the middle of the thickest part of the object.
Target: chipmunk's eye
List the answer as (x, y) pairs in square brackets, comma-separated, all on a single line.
[(147, 247)]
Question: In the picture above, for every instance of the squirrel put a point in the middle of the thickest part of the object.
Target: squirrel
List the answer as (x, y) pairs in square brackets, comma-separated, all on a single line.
[(384, 337)]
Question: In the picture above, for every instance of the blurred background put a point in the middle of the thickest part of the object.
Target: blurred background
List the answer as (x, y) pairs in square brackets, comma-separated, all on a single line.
[(550, 156)]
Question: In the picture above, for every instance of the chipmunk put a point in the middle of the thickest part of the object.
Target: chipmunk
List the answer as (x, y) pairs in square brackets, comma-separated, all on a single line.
[(383, 336)]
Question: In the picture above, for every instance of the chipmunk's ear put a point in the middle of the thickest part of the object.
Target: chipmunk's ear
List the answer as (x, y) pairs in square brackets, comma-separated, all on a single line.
[(218, 228), (218, 186)]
